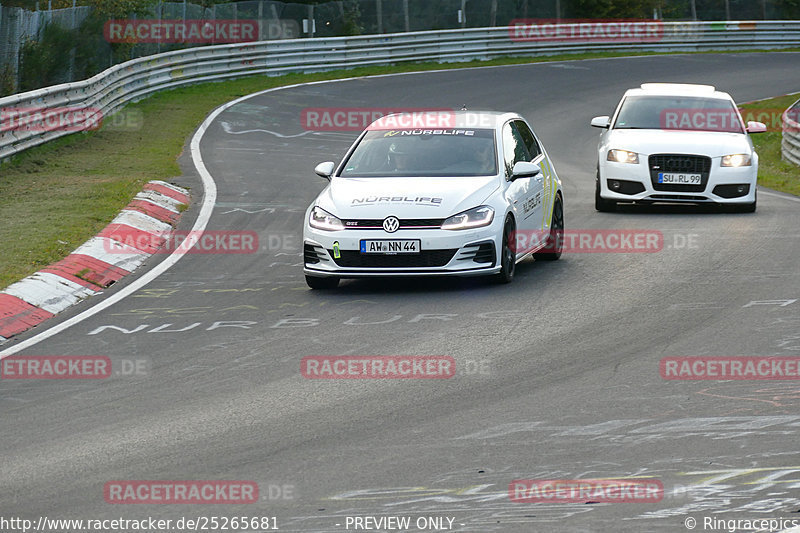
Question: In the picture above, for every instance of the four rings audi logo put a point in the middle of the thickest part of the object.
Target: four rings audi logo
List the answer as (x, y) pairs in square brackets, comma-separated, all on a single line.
[(679, 164), (391, 224)]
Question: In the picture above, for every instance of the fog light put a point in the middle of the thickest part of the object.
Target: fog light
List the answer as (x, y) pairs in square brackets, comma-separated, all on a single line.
[(615, 185), (740, 189)]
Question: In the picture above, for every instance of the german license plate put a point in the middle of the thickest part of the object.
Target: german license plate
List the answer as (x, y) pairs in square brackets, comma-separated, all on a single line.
[(390, 246), (676, 178)]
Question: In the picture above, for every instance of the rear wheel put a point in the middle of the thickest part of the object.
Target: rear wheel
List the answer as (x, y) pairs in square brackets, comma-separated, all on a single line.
[(508, 259), (600, 203), (322, 283), (555, 241)]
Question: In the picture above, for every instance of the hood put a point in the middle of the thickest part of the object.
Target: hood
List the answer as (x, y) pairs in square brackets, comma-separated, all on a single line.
[(712, 144), (351, 198)]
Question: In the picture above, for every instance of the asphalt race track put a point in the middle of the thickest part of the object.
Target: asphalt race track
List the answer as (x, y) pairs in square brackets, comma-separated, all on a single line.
[(557, 374)]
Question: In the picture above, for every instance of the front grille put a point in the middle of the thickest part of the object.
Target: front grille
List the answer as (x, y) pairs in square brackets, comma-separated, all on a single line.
[(426, 258), (732, 191), (679, 197), (626, 187), (479, 253), (313, 254), (405, 223), (685, 164)]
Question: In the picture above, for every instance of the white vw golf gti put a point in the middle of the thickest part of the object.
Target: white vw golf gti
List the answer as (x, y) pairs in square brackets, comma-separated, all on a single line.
[(446, 193), (670, 142)]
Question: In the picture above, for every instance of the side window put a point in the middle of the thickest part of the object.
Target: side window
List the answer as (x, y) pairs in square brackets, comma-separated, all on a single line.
[(514, 148), (529, 139)]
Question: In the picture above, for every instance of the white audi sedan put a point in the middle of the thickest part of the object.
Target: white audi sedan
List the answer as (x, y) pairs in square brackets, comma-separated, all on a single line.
[(445, 193), (669, 142)]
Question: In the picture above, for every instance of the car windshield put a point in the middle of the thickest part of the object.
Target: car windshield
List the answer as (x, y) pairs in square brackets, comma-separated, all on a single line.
[(423, 153), (678, 113)]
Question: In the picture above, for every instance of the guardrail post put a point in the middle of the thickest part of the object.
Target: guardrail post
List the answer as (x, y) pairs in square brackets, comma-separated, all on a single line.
[(379, 14), (405, 15)]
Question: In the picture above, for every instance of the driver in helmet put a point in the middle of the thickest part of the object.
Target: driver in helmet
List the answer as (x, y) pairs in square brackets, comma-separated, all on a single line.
[(399, 157)]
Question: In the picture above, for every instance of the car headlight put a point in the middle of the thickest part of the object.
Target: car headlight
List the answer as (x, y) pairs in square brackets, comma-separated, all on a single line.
[(473, 218), (736, 160), (321, 219), (623, 156)]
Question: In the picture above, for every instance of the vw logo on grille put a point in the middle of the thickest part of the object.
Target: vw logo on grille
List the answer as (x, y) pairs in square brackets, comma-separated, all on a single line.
[(391, 224)]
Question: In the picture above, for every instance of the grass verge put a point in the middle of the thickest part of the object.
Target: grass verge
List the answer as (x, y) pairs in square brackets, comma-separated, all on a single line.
[(773, 171), (56, 196)]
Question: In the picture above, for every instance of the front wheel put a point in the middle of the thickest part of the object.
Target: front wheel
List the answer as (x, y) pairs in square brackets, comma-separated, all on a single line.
[(316, 282), (555, 241), (600, 203), (508, 256), (745, 208)]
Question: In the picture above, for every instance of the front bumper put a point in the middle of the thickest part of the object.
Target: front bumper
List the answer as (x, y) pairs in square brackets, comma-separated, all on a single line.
[(442, 252), (635, 183)]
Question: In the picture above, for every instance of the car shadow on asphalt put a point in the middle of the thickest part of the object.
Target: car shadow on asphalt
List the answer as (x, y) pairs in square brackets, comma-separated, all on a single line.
[(674, 209)]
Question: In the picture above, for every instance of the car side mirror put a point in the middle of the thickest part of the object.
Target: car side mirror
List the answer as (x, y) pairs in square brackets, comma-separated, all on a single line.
[(601, 122), (524, 169), (325, 170), (756, 127)]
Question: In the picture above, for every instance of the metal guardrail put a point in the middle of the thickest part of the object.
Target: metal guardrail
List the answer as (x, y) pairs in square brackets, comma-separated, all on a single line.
[(108, 91), (790, 147)]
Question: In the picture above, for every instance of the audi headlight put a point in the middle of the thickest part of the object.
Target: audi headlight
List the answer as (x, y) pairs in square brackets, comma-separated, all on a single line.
[(623, 156), (473, 218), (736, 160), (321, 219)]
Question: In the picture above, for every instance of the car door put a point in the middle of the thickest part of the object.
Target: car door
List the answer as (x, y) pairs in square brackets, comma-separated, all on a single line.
[(546, 182), (523, 193)]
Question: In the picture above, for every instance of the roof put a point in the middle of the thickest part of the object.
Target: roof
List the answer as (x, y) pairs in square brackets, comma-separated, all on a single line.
[(678, 89)]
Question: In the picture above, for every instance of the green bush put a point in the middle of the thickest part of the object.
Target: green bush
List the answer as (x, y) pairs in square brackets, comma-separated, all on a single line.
[(46, 62), (7, 81)]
